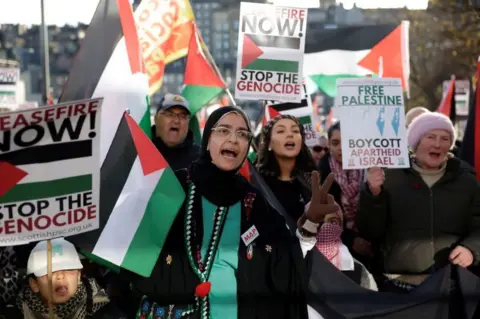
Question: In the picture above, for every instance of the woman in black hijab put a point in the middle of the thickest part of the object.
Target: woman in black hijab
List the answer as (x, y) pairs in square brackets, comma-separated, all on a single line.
[(227, 255)]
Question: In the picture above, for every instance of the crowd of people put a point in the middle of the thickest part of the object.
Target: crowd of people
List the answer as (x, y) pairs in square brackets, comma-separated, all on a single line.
[(398, 225)]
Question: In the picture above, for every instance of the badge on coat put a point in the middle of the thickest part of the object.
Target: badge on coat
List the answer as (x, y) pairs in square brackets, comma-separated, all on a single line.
[(250, 235), (250, 252)]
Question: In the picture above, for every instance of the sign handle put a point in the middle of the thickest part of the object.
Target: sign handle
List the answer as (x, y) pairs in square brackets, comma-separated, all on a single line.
[(50, 280)]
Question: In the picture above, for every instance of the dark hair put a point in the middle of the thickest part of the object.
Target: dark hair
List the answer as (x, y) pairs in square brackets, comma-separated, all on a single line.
[(267, 163), (332, 128)]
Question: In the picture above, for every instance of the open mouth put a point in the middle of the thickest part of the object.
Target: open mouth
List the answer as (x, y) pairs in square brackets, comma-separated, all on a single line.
[(174, 129), (61, 290), (434, 155), (228, 153), (290, 145)]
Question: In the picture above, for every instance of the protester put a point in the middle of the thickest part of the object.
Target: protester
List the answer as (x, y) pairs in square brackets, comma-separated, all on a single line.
[(171, 135), (222, 275), (8, 277), (413, 113), (286, 165), (319, 150), (346, 191), (73, 296), (425, 216)]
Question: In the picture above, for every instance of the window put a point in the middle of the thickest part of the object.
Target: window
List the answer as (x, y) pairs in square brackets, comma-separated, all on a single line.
[(235, 25), (225, 27), (226, 44)]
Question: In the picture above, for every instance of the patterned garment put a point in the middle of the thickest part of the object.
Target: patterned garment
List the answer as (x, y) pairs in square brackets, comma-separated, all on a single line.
[(349, 182), (329, 239), (8, 275), (33, 306)]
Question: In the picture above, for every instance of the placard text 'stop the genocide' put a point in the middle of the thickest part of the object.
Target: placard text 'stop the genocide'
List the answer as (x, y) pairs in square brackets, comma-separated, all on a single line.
[(285, 22)]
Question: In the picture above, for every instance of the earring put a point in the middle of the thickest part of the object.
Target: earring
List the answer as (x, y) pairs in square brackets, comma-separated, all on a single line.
[(269, 149)]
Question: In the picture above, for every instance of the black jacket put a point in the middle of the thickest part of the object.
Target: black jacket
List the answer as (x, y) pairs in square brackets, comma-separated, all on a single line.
[(417, 226), (180, 156)]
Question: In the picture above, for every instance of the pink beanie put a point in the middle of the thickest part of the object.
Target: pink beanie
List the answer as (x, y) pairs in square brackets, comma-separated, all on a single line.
[(427, 122)]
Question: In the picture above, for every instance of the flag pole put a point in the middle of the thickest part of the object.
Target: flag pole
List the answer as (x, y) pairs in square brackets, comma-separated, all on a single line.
[(45, 55), (49, 278)]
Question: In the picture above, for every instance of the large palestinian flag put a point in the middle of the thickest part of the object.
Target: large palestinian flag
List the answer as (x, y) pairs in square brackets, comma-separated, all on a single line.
[(356, 51), (139, 194)]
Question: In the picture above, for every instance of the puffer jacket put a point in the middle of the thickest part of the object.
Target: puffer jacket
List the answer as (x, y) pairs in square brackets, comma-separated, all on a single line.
[(417, 226)]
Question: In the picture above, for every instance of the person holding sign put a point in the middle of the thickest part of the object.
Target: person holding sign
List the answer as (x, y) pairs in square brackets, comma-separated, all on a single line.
[(228, 254), (73, 296), (425, 216)]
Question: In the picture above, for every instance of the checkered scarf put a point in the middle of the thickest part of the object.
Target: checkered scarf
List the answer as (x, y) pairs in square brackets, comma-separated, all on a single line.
[(329, 239), (349, 182)]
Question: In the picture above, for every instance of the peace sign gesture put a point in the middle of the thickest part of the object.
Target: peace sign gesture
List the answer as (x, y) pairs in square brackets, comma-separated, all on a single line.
[(322, 202)]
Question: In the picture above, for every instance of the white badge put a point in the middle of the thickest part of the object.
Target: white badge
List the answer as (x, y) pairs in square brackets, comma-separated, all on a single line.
[(250, 235)]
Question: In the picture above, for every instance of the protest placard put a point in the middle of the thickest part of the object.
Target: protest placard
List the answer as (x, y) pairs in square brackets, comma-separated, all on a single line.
[(50, 173), (164, 30), (372, 118), (271, 42), (303, 111)]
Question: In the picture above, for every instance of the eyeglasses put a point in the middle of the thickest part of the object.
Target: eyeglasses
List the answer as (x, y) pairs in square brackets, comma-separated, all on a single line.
[(225, 132), (319, 149), (181, 116)]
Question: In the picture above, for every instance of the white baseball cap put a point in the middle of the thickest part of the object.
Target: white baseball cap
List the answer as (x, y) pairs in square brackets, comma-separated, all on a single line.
[(172, 100), (64, 257)]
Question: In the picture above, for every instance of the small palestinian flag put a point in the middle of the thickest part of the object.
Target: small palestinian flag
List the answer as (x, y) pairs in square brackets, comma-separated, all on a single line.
[(263, 53), (447, 106), (109, 65), (356, 51), (19, 184), (270, 113), (140, 198)]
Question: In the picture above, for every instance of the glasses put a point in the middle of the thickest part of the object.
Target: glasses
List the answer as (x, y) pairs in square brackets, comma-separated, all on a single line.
[(181, 116), (225, 132), (319, 149)]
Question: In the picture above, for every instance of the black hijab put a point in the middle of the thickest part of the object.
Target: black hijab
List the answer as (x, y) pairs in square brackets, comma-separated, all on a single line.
[(221, 188)]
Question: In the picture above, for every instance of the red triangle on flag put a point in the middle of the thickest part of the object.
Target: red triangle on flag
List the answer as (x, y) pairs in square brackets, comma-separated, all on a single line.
[(245, 170), (251, 51), (198, 70), (150, 158), (385, 58), (445, 106), (270, 113), (11, 175)]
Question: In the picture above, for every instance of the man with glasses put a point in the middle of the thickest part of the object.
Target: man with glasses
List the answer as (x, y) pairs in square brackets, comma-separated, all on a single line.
[(171, 135)]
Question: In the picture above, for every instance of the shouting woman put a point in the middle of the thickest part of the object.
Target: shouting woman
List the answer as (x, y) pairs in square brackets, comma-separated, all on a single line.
[(228, 255)]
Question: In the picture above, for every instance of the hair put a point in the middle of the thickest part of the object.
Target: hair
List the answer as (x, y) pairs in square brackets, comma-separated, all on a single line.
[(333, 128), (267, 162)]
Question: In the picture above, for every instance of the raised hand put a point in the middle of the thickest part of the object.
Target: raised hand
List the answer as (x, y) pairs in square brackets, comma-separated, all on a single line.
[(375, 180), (322, 203)]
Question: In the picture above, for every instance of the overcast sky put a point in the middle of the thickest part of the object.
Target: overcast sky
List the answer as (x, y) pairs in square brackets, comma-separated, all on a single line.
[(62, 12)]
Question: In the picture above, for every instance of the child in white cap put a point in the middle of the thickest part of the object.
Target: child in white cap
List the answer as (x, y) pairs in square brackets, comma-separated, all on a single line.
[(73, 296)]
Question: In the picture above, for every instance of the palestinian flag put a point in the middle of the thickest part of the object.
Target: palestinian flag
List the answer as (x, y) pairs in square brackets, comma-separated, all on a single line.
[(202, 83), (270, 113), (268, 53), (470, 151), (447, 106), (45, 171), (140, 198), (109, 65), (356, 51)]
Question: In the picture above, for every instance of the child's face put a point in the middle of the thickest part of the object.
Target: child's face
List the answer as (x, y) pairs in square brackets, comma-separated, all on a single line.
[(65, 284)]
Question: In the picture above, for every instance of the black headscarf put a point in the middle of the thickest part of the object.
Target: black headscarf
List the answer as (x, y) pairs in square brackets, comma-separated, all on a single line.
[(221, 188)]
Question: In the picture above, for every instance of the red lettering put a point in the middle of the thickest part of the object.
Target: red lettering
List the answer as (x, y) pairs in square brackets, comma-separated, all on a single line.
[(293, 13), (4, 123), (10, 227), (92, 212), (49, 114), (37, 117), (92, 106), (55, 221), (266, 87), (24, 225), (38, 223), (79, 109), (78, 215), (61, 110)]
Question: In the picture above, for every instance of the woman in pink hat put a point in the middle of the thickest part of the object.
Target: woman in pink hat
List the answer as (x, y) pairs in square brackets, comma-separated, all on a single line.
[(425, 216)]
